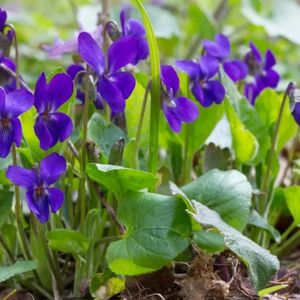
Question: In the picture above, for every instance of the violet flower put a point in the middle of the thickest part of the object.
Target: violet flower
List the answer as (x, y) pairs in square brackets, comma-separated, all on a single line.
[(113, 86), (206, 90), (38, 181), (50, 125), (5, 38), (176, 109), (262, 71), (7, 81), (135, 29), (220, 49), (12, 105)]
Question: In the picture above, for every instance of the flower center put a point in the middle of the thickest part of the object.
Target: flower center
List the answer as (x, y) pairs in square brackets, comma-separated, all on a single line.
[(39, 191), (45, 115), (5, 123), (254, 66)]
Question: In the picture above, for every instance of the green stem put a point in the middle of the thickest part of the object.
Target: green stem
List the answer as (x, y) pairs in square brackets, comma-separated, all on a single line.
[(188, 159), (266, 180), (291, 243), (7, 250), (19, 213), (140, 126)]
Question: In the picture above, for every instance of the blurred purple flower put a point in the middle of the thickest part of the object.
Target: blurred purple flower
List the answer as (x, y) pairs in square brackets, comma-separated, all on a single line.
[(37, 183), (50, 125), (220, 49), (7, 81), (70, 46), (113, 86), (262, 71), (3, 17), (5, 38), (176, 109), (135, 29), (206, 90), (12, 105)]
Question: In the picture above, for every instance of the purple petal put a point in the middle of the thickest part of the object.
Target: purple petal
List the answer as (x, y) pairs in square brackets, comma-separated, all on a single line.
[(136, 28), (3, 17), (270, 60), (55, 198), (61, 47), (90, 51), (2, 100), (73, 69), (209, 66), (251, 91), (198, 92), (17, 128), (6, 139), (186, 110), (211, 48), (52, 167), (170, 79), (44, 134), (189, 67), (214, 92), (41, 96), (111, 94), (172, 118), (255, 52), (38, 205), (17, 102), (270, 79), (121, 53), (296, 113), (124, 81), (22, 177), (224, 45), (123, 21), (236, 69), (60, 89), (64, 125)]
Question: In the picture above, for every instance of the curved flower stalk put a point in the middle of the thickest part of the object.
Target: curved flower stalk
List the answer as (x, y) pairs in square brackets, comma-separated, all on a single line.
[(176, 109), (12, 105), (262, 72), (113, 85), (37, 182), (204, 88), (52, 126), (220, 49)]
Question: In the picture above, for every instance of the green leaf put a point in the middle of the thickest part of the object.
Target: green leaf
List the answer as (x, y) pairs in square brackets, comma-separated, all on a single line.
[(67, 241), (272, 289), (209, 241), (244, 142), (5, 205), (119, 179), (261, 264), (103, 134), (17, 268), (268, 105), (292, 199), (227, 192), (216, 158), (153, 238)]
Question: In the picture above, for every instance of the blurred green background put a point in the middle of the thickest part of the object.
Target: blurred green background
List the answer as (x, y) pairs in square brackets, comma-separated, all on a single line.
[(179, 26)]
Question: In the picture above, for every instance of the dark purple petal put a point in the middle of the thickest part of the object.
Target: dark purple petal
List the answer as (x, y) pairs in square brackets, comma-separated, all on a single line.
[(17, 128), (209, 66), (236, 69), (90, 51), (17, 102), (38, 205), (2, 100), (60, 89), (142, 49), (3, 17), (24, 178), (136, 28), (121, 53), (123, 21), (170, 79), (211, 48), (213, 92), (41, 96), (55, 199), (172, 118), (6, 139), (99, 102), (73, 69), (111, 94), (124, 81), (270, 60), (64, 125), (270, 79), (255, 52), (296, 113), (42, 131), (189, 67), (198, 92), (52, 167), (251, 91), (224, 45), (186, 110)]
